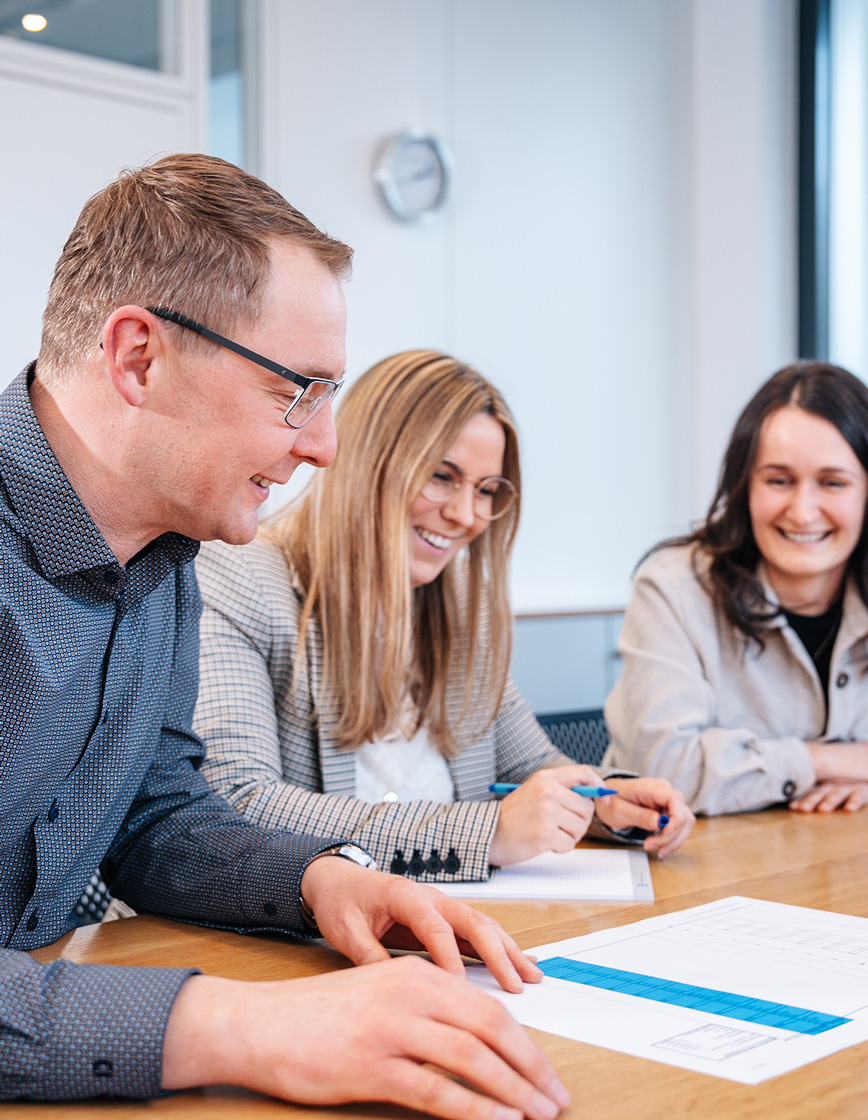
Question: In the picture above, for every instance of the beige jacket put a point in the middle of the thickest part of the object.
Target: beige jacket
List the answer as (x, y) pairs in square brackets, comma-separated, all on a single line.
[(277, 762), (725, 722)]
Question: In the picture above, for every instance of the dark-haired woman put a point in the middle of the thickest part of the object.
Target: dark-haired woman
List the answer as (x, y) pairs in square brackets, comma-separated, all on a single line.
[(745, 645)]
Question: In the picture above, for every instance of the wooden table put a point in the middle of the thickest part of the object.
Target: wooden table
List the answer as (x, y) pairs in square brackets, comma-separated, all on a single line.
[(814, 861)]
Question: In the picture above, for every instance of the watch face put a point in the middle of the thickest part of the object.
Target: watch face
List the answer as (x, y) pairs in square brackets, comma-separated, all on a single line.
[(412, 172)]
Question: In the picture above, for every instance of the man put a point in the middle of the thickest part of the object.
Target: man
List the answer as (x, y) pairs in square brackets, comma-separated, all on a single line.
[(137, 430)]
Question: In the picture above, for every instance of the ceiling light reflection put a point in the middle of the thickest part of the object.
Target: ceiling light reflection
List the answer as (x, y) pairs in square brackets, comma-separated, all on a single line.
[(33, 22)]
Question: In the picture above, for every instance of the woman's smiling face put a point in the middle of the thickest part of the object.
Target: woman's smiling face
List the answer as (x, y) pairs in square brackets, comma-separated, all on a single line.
[(438, 532), (807, 505)]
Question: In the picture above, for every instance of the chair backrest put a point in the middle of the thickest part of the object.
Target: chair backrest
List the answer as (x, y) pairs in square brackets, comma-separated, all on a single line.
[(94, 901), (581, 735)]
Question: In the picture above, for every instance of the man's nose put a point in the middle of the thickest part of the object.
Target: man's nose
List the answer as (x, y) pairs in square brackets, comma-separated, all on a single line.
[(317, 442)]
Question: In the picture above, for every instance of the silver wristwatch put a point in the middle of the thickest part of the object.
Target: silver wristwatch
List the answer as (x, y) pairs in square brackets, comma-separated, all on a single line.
[(345, 851)]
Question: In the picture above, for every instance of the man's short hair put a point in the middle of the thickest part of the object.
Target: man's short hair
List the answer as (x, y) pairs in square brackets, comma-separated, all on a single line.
[(190, 232)]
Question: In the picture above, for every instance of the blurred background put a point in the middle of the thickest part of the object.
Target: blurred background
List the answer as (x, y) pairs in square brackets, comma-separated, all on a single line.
[(653, 205)]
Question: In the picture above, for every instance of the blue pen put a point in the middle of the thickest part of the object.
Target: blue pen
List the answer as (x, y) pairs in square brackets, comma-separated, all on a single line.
[(585, 791)]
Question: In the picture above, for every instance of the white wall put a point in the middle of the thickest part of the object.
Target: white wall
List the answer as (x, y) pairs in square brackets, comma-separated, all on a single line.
[(744, 177), (618, 255), (571, 238)]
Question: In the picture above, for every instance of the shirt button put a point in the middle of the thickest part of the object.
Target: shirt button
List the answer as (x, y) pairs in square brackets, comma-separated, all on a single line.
[(789, 788), (53, 812), (270, 909), (390, 796), (842, 679), (111, 577), (33, 921)]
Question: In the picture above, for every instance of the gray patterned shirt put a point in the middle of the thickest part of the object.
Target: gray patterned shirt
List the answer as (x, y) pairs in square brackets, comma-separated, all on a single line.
[(99, 767)]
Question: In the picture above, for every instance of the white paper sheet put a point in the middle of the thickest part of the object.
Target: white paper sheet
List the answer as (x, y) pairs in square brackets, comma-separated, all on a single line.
[(584, 873), (753, 951)]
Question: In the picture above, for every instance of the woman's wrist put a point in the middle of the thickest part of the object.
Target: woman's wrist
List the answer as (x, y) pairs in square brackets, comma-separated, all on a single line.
[(847, 761)]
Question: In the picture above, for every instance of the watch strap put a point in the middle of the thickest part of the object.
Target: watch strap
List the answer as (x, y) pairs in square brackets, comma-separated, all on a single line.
[(351, 852)]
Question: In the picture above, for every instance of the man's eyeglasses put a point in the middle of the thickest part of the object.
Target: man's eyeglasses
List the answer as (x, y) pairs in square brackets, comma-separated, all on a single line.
[(492, 497), (312, 392)]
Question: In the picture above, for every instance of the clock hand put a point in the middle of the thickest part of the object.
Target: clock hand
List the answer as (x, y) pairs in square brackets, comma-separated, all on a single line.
[(423, 172)]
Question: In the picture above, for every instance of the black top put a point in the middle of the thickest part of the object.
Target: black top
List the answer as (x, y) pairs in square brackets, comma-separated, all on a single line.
[(817, 633)]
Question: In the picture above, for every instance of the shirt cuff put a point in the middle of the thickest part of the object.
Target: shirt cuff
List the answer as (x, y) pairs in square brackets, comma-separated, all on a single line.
[(271, 881), (101, 1031)]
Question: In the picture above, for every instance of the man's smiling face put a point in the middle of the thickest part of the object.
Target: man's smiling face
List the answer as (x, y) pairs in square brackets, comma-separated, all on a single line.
[(226, 439)]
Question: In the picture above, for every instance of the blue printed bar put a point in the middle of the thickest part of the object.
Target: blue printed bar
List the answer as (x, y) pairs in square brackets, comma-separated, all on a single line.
[(733, 1006)]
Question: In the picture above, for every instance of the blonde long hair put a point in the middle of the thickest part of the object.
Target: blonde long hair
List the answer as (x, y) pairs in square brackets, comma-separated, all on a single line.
[(347, 538)]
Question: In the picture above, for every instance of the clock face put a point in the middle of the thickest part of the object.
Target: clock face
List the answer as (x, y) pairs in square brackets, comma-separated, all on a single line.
[(412, 172)]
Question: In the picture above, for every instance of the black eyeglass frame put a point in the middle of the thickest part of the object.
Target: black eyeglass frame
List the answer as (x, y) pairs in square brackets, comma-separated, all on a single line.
[(257, 359)]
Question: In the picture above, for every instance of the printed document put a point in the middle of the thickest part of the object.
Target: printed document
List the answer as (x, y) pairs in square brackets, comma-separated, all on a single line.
[(740, 989)]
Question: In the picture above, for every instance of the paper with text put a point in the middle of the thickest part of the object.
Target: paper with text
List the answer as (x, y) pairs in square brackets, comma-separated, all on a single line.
[(740, 989)]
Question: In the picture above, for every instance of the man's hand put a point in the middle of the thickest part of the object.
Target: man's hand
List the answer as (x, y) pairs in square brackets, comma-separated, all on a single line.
[(826, 797), (362, 1035), (543, 815), (639, 804), (362, 911)]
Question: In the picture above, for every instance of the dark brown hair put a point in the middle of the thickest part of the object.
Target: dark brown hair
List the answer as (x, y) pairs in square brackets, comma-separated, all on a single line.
[(726, 537), (190, 232)]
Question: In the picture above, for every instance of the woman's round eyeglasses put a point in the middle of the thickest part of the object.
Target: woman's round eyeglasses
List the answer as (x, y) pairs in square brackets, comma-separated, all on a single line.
[(492, 497)]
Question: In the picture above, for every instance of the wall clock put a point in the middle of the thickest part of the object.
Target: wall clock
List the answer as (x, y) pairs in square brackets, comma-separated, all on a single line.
[(413, 172)]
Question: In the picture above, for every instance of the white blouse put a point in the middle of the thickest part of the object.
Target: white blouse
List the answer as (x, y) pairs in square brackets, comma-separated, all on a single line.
[(398, 769)]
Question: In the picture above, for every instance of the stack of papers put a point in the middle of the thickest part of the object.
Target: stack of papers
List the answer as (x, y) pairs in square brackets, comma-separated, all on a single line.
[(583, 873)]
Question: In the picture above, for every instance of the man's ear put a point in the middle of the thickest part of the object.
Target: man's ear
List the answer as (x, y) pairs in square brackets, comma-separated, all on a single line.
[(133, 351)]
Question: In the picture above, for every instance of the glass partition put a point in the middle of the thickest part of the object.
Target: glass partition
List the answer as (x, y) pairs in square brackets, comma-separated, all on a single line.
[(226, 115), (129, 31), (143, 33), (833, 258)]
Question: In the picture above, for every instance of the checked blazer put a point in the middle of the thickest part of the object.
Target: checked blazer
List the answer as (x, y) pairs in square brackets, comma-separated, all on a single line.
[(270, 739)]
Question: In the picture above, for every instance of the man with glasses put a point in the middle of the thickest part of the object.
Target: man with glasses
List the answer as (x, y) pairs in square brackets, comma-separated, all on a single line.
[(139, 431)]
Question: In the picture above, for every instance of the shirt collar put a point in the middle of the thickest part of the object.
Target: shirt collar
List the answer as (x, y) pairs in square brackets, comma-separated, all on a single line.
[(854, 620), (62, 533)]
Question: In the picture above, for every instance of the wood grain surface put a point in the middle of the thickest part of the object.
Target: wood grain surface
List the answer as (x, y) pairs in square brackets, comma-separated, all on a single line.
[(813, 860)]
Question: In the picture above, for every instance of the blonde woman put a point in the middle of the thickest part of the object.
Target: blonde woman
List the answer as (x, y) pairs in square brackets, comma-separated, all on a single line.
[(354, 667)]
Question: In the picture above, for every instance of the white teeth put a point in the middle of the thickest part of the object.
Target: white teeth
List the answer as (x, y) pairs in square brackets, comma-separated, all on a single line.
[(260, 481), (435, 539), (803, 538)]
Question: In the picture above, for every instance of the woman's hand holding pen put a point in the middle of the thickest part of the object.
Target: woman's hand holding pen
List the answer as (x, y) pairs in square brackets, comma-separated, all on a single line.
[(543, 815), (641, 803)]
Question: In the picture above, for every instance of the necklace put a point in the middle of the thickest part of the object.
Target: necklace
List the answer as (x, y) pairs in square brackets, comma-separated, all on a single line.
[(808, 631), (833, 630)]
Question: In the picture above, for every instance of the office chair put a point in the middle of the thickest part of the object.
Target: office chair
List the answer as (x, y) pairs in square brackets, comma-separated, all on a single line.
[(581, 735), (94, 901)]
